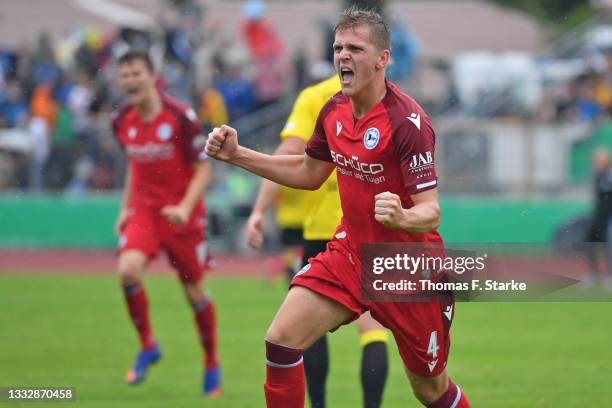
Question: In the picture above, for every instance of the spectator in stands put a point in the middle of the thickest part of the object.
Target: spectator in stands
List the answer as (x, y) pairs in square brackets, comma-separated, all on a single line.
[(267, 52), (13, 107), (405, 50)]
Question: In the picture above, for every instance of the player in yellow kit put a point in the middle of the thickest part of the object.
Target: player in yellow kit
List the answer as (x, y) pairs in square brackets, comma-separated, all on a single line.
[(320, 212)]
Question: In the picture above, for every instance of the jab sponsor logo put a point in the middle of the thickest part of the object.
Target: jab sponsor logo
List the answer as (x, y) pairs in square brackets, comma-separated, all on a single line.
[(421, 160)]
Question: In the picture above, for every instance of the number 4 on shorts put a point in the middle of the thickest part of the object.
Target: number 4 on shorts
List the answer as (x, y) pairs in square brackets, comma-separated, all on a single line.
[(433, 350)]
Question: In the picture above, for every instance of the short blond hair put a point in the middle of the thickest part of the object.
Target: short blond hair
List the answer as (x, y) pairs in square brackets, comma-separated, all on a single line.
[(379, 30)]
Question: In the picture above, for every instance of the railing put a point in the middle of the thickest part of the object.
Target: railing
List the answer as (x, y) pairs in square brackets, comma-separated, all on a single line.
[(261, 129)]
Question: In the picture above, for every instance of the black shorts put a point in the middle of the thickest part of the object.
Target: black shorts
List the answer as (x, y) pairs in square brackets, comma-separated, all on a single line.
[(312, 248), (291, 237)]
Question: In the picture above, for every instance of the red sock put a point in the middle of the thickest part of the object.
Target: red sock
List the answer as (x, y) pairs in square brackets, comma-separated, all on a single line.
[(206, 323), (285, 386), (452, 398), (138, 307)]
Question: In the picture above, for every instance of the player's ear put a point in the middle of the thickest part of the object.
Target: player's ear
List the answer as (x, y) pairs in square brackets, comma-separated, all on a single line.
[(384, 58)]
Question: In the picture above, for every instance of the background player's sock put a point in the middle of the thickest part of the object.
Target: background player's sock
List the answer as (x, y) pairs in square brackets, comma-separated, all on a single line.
[(316, 367), (452, 398), (138, 307), (206, 323), (374, 366), (284, 387)]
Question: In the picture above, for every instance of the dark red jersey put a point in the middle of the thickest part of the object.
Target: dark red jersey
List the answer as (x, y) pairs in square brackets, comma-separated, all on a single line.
[(391, 148), (161, 153)]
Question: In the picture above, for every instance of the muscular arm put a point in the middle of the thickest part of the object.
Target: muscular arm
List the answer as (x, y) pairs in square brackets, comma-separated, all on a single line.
[(423, 217), (269, 190), (295, 171)]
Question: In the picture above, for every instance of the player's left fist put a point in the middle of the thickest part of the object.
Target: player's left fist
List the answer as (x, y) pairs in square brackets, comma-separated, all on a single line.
[(176, 214), (388, 209)]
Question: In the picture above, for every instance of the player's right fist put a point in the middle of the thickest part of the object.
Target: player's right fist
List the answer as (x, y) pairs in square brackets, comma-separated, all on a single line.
[(222, 143)]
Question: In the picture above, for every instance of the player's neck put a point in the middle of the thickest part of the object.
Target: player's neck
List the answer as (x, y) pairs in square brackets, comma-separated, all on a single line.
[(149, 107), (368, 98)]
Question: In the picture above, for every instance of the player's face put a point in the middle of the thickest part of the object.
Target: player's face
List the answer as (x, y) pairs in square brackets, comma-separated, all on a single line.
[(136, 81), (356, 58)]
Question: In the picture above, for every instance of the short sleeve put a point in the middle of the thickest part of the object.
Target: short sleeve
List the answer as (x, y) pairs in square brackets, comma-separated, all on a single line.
[(317, 146), (415, 148), (116, 119), (302, 119), (193, 136)]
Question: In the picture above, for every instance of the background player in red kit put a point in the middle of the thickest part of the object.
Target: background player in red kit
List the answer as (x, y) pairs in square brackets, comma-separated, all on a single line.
[(162, 208), (382, 145)]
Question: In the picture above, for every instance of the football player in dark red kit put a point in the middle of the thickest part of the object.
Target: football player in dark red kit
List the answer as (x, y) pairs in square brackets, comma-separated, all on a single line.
[(382, 145), (162, 208)]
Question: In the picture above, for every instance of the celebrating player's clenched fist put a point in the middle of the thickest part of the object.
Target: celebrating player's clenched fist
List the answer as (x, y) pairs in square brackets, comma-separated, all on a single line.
[(388, 209), (222, 143)]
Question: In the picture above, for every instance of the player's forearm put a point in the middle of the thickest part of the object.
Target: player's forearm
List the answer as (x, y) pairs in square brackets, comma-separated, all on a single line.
[(421, 218), (127, 189), (198, 184), (269, 190), (288, 170)]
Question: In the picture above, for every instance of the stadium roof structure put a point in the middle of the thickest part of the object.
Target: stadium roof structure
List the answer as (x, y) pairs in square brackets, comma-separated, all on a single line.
[(443, 28)]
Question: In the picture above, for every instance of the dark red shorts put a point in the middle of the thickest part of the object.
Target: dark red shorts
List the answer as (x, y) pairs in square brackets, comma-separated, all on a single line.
[(148, 231), (421, 329)]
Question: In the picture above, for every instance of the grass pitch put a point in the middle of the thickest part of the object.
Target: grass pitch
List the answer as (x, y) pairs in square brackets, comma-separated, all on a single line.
[(73, 331)]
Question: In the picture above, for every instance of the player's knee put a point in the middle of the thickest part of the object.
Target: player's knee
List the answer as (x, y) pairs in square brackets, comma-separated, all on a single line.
[(195, 294), (277, 335), (129, 272), (428, 392)]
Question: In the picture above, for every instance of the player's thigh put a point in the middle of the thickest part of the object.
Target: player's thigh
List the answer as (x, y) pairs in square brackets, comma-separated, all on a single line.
[(188, 255), (131, 265), (304, 317), (367, 323), (138, 243), (421, 332)]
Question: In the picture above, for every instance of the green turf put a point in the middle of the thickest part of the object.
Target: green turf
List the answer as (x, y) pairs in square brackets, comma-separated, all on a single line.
[(73, 331)]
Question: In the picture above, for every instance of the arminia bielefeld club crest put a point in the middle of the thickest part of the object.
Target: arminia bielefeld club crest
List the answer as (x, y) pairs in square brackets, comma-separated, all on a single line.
[(371, 138)]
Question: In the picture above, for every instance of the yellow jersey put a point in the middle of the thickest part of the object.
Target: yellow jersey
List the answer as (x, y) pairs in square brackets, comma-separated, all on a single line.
[(320, 210)]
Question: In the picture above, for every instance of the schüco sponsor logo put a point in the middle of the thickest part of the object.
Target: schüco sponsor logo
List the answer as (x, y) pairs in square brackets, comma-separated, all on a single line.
[(150, 151), (354, 163)]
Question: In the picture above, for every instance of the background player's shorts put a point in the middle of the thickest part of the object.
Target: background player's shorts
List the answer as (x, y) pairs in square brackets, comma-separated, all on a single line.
[(421, 329), (148, 231), (291, 236)]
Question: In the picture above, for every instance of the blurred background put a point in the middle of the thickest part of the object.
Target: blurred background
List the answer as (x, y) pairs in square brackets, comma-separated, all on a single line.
[(520, 94)]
